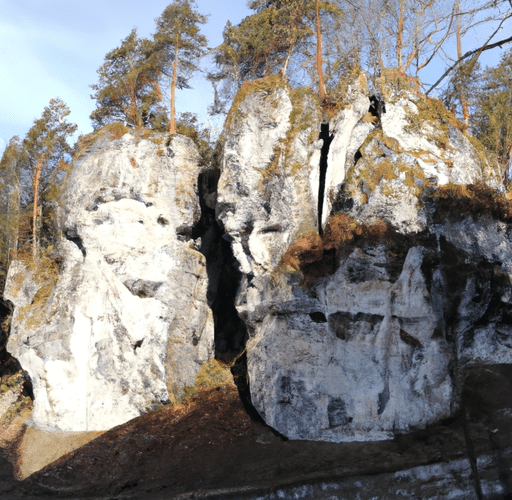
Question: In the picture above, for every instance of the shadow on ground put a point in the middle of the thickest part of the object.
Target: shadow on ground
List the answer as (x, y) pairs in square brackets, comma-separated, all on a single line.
[(8, 482), (208, 447)]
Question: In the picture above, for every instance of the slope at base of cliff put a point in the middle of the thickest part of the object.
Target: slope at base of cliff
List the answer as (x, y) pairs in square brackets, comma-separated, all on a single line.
[(207, 447)]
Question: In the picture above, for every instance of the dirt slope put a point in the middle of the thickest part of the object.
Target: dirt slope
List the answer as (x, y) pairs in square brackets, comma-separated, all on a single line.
[(208, 447)]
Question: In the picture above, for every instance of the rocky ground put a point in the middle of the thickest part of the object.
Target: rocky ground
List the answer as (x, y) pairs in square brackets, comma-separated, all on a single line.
[(208, 447)]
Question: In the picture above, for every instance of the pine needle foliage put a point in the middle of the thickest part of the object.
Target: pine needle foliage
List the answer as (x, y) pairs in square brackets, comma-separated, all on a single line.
[(128, 90), (492, 118), (178, 47), (277, 38), (31, 170)]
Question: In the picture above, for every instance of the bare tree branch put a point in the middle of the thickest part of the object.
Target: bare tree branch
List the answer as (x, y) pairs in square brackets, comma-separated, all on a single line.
[(478, 51)]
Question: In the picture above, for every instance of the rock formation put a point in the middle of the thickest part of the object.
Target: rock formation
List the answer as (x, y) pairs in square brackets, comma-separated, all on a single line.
[(355, 269), (367, 330), (122, 324)]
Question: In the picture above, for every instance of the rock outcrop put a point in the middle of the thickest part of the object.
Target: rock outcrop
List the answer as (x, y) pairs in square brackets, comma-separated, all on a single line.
[(366, 329), (117, 322), (354, 271)]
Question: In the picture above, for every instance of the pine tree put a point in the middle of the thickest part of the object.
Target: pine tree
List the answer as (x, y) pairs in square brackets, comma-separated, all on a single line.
[(178, 47), (128, 88), (263, 42), (188, 125), (10, 204), (276, 36), (44, 148)]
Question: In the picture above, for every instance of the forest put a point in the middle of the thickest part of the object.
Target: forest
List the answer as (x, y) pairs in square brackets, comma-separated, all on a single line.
[(315, 44)]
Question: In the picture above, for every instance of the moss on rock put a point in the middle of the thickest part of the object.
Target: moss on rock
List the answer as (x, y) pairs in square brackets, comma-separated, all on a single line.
[(264, 86)]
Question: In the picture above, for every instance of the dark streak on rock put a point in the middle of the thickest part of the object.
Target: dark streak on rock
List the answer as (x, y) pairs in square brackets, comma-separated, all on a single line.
[(137, 345), (383, 399), (73, 236), (327, 138), (337, 413), (409, 339)]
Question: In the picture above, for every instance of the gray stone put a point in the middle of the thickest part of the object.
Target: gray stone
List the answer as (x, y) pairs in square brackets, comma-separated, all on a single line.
[(381, 344)]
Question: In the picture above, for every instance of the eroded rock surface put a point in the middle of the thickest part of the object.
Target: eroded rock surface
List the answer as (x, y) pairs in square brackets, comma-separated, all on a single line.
[(261, 198), (367, 331), (123, 324)]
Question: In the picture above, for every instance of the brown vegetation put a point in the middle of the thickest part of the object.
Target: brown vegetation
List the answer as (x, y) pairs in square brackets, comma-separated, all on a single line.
[(264, 86), (208, 447), (316, 256), (475, 200), (112, 131)]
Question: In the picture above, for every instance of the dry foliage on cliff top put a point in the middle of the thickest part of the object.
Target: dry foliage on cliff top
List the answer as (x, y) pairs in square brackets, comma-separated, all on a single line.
[(263, 86), (112, 131), (315, 255)]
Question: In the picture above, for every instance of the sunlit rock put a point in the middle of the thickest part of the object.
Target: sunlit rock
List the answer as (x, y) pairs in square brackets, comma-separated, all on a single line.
[(122, 324), (366, 330)]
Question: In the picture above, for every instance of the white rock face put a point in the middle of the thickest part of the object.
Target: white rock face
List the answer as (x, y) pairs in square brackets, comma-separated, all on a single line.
[(260, 203), (347, 139), (412, 147), (379, 345), (368, 335), (443, 157), (360, 363), (126, 325)]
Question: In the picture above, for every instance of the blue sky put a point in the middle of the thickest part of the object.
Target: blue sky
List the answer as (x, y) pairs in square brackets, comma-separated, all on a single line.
[(52, 48)]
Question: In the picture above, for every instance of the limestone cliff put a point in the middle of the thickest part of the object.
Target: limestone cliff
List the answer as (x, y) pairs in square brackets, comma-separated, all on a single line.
[(351, 271), (118, 322), (366, 329)]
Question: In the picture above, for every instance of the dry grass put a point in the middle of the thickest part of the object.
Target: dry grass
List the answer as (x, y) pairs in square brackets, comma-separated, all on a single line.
[(474, 199), (315, 256), (113, 131), (211, 374), (45, 273), (306, 250), (376, 167), (264, 86)]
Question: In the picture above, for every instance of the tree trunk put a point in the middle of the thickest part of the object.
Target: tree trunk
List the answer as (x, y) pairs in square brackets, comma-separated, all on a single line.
[(35, 190), (460, 89), (13, 213), (172, 123), (133, 107), (400, 36), (322, 93), (287, 60)]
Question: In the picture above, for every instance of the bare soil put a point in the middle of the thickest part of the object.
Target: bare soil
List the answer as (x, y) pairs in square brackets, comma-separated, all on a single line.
[(208, 447)]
